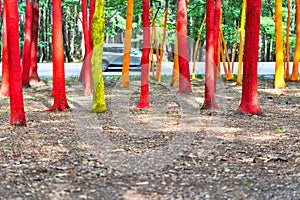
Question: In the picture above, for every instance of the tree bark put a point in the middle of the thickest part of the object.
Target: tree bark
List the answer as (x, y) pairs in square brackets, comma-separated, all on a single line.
[(27, 44), (250, 103), (295, 74), (17, 113), (58, 91), (88, 88), (183, 57), (127, 45), (144, 97), (279, 69), (33, 74), (98, 27), (210, 62), (5, 66)]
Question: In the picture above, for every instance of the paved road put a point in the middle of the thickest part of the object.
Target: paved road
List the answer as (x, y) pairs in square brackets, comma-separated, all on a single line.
[(73, 69)]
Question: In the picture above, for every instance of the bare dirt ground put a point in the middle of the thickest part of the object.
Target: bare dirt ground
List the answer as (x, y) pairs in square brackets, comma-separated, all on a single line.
[(173, 150)]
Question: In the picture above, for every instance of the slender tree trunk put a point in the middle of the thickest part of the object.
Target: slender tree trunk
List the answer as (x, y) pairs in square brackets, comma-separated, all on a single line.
[(98, 27), (279, 69), (5, 66), (175, 71), (127, 45), (33, 73), (144, 97), (88, 51), (250, 103), (288, 24), (17, 113), (241, 47), (27, 44), (295, 74), (196, 48), (59, 91), (183, 56), (210, 60)]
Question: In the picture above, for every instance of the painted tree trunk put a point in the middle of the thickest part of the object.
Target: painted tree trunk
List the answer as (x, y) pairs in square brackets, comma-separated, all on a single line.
[(196, 48), (279, 69), (5, 66), (92, 12), (288, 25), (241, 47), (88, 51), (98, 27), (184, 70), (161, 46), (295, 74), (26, 58), (33, 74), (59, 90), (17, 113), (127, 45), (175, 71), (144, 97), (210, 64), (250, 103)]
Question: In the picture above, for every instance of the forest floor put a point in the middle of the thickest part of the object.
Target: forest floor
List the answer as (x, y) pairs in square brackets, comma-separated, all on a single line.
[(173, 150)]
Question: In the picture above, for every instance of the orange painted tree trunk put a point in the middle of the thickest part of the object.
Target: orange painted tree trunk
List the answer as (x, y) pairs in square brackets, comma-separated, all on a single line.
[(184, 70), (17, 113), (26, 58), (86, 67), (127, 45), (212, 23), (5, 67), (288, 25), (250, 103), (175, 71), (144, 97), (59, 91), (279, 69), (295, 74), (33, 73)]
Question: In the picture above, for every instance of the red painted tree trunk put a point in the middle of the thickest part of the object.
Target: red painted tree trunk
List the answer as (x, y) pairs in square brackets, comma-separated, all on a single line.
[(17, 114), (26, 58), (144, 97), (33, 74), (59, 91), (5, 67), (184, 70), (92, 11), (211, 58), (87, 70), (250, 103)]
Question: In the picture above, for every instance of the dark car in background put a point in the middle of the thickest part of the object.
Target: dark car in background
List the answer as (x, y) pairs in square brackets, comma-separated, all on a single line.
[(113, 55)]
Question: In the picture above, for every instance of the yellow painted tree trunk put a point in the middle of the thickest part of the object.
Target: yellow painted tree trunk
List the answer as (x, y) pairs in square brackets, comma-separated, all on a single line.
[(295, 74), (196, 48), (242, 30), (98, 26), (279, 69), (125, 82)]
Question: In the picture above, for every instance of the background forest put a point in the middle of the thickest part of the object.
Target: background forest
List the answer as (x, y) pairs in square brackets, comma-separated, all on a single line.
[(115, 14)]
